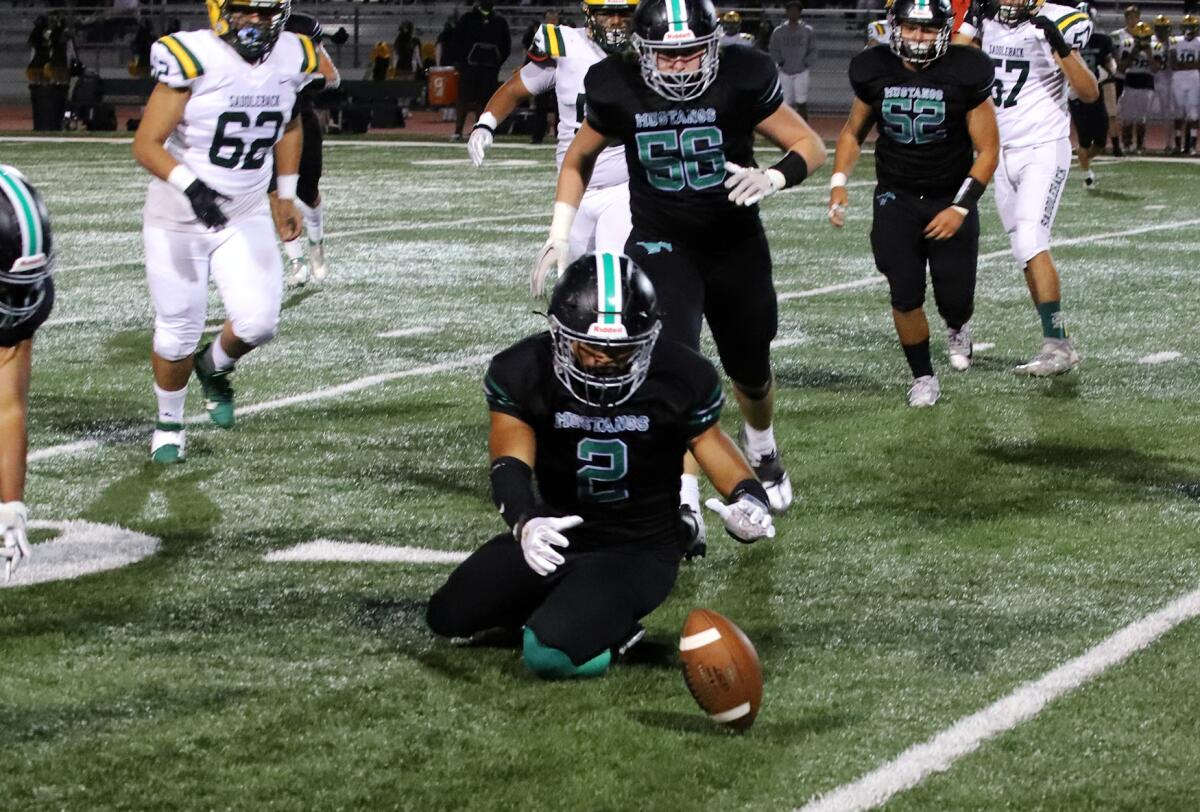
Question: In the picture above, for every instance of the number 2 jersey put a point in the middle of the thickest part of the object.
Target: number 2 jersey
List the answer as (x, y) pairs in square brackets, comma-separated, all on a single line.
[(617, 467), (924, 145), (676, 150), (1030, 89), (234, 117), (559, 58)]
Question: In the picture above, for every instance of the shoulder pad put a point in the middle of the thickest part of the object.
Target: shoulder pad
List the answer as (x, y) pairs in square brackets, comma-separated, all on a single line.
[(310, 59), (548, 43), (173, 63)]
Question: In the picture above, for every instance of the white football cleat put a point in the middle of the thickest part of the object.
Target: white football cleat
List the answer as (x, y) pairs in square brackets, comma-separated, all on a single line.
[(962, 350), (316, 259), (924, 392), (296, 273), (1089, 180), (770, 473), (167, 446), (1058, 355)]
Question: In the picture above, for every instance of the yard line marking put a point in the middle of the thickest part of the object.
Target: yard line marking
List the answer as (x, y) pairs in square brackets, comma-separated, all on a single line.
[(1160, 357), (357, 385), (787, 342), (405, 332), (357, 552), (966, 735), (878, 279), (983, 346)]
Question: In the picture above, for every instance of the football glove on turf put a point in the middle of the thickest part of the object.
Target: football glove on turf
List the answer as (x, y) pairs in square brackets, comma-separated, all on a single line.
[(539, 537), (749, 184), (13, 516), (746, 520)]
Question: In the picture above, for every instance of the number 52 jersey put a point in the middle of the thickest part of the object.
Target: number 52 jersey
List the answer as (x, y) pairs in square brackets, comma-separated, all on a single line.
[(235, 115)]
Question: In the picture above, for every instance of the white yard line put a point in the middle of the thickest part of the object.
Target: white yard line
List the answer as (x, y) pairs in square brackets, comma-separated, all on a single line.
[(1160, 357), (967, 734), (357, 385), (357, 552), (405, 332), (878, 279)]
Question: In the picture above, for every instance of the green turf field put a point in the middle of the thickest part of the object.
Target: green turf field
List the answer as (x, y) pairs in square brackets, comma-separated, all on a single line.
[(934, 561)]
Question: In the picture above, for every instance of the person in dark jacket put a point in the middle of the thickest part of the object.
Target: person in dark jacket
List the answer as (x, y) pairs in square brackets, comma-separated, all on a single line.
[(482, 44)]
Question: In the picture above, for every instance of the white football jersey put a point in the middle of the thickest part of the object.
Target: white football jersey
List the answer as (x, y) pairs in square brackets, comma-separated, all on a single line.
[(1030, 90), (1122, 44), (879, 33), (1187, 53), (235, 115), (560, 58)]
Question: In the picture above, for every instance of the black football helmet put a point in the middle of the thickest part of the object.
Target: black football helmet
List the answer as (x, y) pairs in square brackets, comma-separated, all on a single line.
[(604, 322), (252, 40), (929, 14), (674, 28), (26, 257)]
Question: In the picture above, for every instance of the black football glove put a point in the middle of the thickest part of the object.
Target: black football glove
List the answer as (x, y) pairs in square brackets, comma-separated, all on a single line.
[(204, 202), (1053, 36)]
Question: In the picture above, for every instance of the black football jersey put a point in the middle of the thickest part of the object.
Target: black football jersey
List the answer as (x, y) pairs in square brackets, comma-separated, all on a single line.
[(617, 467), (1098, 51), (676, 151), (924, 146), (12, 336)]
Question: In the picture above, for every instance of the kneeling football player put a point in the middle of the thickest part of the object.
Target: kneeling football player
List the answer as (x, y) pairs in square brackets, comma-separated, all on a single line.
[(600, 411), (932, 104), (26, 297)]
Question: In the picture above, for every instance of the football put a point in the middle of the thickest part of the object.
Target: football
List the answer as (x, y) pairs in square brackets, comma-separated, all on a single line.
[(721, 669)]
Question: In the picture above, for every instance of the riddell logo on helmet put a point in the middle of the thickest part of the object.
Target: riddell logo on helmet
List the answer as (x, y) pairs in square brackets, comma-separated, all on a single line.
[(608, 331), (676, 36)]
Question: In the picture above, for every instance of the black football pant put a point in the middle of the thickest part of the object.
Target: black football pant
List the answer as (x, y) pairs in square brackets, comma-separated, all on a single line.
[(589, 604), (725, 279), (902, 252), (1091, 122), (308, 189)]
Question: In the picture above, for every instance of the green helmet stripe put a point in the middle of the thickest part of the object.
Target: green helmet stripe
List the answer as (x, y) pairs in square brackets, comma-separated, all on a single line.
[(608, 293), (22, 203), (676, 15)]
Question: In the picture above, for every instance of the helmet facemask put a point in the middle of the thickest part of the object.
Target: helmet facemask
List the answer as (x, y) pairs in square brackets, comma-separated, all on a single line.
[(922, 51), (1016, 13), (251, 27), (602, 384), (601, 27), (679, 85)]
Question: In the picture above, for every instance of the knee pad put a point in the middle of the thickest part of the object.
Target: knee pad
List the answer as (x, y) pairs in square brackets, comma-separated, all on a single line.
[(907, 301), (1027, 242), (257, 330), (552, 663), (755, 392), (174, 345)]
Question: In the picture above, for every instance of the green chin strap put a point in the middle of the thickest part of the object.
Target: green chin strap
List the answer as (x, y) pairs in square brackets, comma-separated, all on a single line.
[(552, 663)]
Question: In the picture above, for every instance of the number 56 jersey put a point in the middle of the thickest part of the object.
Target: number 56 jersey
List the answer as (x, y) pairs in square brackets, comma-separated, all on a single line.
[(234, 117)]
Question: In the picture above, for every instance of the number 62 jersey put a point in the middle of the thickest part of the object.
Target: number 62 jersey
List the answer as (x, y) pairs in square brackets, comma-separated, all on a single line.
[(235, 115)]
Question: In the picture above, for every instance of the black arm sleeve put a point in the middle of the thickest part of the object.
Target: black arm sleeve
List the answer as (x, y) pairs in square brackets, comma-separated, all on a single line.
[(512, 489)]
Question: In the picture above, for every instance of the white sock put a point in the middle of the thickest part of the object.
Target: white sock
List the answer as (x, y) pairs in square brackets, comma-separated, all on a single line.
[(294, 249), (314, 220), (220, 358), (760, 443), (170, 404), (689, 492)]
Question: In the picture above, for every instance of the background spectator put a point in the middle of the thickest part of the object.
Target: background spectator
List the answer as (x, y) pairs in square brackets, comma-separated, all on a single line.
[(408, 51), (794, 49), (446, 53), (143, 38), (39, 57), (483, 42)]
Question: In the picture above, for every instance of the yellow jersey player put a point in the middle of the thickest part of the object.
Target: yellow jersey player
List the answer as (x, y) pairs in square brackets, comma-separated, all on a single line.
[(219, 116)]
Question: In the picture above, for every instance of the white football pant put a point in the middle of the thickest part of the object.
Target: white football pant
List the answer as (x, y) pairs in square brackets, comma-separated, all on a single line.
[(1029, 182), (244, 263), (1135, 105), (1187, 96), (602, 223)]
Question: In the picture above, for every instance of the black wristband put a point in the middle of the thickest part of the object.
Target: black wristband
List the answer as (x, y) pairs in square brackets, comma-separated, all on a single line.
[(750, 487), (794, 169), (969, 193), (512, 489), (479, 126)]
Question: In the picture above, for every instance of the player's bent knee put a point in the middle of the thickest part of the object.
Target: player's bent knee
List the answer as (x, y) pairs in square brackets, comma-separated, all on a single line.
[(754, 391), (442, 618), (1027, 243), (552, 663), (256, 331), (174, 346)]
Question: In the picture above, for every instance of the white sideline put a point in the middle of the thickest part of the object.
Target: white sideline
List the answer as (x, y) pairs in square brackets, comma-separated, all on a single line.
[(329, 550), (878, 279), (966, 735), (292, 400)]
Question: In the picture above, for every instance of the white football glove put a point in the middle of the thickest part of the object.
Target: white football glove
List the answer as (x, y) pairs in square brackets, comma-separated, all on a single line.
[(539, 537), (554, 254), (748, 184), (481, 138), (746, 520), (13, 517)]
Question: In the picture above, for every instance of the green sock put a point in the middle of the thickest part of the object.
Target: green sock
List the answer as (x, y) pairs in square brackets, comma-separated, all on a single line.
[(551, 663), (1054, 323)]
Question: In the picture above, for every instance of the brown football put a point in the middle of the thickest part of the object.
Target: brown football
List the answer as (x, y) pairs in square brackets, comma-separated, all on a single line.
[(720, 667)]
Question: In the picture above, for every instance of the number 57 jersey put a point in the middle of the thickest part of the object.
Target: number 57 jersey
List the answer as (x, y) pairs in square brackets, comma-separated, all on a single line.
[(235, 115)]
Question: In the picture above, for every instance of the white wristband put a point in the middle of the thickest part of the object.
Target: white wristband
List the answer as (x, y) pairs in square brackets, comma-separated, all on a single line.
[(837, 179), (486, 119), (564, 217), (962, 210), (181, 177), (285, 186), (13, 514)]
